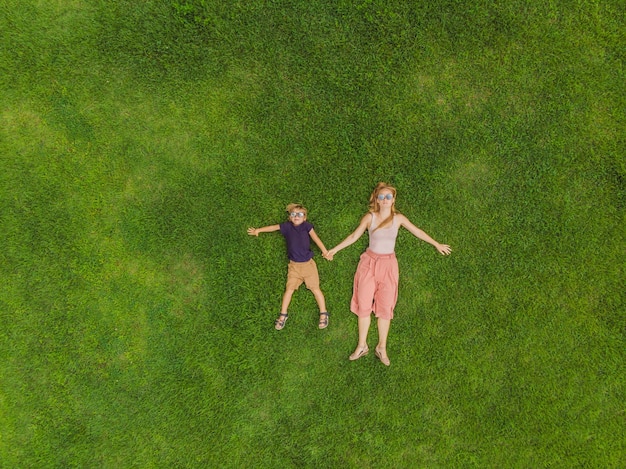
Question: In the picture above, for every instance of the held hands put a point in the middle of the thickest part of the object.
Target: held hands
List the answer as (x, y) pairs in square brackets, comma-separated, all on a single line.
[(443, 249), (328, 255)]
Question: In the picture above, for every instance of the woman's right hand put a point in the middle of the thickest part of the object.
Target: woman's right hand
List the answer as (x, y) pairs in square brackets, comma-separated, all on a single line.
[(328, 255)]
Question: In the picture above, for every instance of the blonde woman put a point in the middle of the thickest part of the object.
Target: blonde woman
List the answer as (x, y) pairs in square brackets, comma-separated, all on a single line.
[(376, 279)]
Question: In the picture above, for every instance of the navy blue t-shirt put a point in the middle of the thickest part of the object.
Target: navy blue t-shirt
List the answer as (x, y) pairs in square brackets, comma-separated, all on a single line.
[(298, 240)]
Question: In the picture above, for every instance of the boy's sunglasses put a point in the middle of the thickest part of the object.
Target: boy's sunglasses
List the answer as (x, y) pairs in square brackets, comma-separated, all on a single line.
[(297, 214), (385, 196)]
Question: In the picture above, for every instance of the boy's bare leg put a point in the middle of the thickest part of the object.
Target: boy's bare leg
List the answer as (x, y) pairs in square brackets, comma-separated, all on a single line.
[(286, 300), (319, 297), (321, 303), (282, 317)]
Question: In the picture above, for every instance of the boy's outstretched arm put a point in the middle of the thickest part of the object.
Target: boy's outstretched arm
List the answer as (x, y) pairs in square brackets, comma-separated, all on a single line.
[(264, 229), (318, 241)]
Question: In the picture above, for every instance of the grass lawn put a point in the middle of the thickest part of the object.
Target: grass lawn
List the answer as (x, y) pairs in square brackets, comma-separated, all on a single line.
[(140, 139)]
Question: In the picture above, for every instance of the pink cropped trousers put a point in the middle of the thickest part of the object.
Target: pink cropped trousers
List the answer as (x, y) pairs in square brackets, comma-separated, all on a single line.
[(375, 285)]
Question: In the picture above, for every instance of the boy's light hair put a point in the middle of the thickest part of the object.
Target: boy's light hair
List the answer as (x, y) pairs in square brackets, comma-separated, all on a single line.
[(298, 207)]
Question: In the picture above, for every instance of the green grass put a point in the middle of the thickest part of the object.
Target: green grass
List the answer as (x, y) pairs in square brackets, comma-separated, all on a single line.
[(136, 315)]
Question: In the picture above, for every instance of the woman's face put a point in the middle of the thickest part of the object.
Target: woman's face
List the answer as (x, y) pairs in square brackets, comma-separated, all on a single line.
[(385, 198)]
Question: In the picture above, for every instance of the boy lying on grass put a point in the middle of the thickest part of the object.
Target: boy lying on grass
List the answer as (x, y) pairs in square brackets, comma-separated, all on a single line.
[(298, 233)]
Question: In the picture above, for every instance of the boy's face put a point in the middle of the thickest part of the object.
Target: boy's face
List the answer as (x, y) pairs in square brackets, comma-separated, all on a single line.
[(297, 217)]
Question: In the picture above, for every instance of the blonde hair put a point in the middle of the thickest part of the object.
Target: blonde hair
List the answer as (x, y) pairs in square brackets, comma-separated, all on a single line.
[(292, 207), (375, 208)]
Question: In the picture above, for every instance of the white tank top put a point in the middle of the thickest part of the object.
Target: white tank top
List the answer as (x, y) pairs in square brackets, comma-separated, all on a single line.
[(383, 241)]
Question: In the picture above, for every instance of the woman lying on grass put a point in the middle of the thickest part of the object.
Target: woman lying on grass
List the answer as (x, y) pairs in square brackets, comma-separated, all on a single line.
[(376, 278)]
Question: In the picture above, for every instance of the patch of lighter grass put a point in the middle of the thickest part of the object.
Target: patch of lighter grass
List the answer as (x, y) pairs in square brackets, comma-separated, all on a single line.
[(61, 6), (132, 330), (186, 282), (446, 89), (12, 440), (475, 169), (603, 126), (193, 128), (141, 184), (26, 130), (36, 150), (126, 267), (124, 290)]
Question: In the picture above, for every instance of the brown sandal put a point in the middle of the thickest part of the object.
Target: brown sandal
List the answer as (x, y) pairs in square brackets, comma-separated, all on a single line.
[(280, 322), (323, 320)]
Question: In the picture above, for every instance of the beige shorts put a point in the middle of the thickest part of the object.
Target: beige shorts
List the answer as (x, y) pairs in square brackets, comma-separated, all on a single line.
[(302, 272)]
